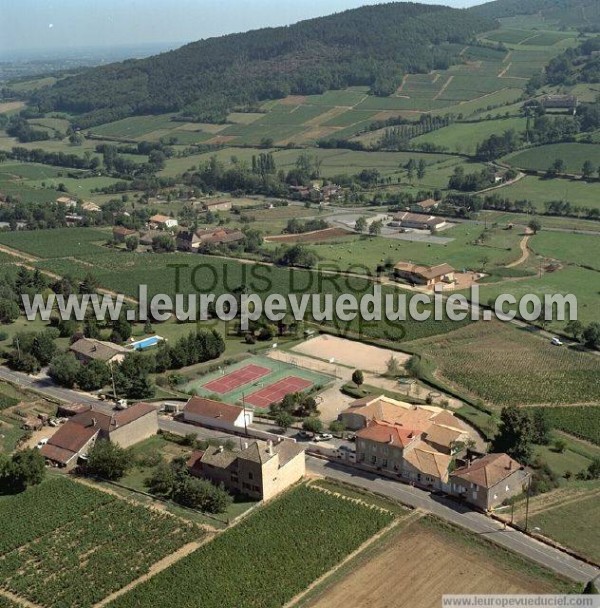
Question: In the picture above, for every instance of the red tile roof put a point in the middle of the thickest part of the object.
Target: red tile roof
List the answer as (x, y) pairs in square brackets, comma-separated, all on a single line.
[(489, 470), (68, 441), (392, 434), (208, 408)]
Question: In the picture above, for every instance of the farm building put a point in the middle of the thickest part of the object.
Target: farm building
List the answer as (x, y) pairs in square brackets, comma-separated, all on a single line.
[(417, 274), (187, 241), (90, 207), (489, 481), (260, 469), (78, 435), (216, 414), (88, 349), (560, 102), (121, 234), (163, 222), (418, 221), (217, 205), (219, 236), (67, 201), (426, 206)]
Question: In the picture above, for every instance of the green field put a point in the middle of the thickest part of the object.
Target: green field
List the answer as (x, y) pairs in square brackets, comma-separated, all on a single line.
[(578, 249), (539, 191), (568, 522), (464, 137), (568, 280), (499, 248), (240, 566), (504, 365), (542, 157), (135, 126), (62, 549)]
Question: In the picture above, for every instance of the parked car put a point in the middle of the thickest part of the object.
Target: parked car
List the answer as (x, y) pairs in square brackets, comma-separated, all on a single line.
[(351, 437), (322, 437), (305, 435), (41, 443), (556, 341)]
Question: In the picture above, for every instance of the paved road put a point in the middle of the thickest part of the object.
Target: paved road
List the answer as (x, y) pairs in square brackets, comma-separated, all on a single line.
[(461, 516), (43, 384)]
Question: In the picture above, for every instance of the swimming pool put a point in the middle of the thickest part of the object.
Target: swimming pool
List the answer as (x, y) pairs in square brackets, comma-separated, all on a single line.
[(146, 343)]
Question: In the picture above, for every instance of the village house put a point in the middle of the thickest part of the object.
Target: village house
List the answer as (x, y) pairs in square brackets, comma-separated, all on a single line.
[(216, 414), (162, 222), (426, 205), (74, 439), (88, 349), (187, 241), (259, 469), (217, 205), (219, 236), (67, 201), (121, 234), (418, 221), (417, 274), (489, 481), (90, 207)]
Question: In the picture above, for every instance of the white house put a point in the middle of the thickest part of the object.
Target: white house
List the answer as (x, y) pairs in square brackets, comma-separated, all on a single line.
[(216, 414)]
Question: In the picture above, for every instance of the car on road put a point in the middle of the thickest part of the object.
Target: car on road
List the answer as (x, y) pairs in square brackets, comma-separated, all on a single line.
[(556, 341), (322, 437), (41, 443)]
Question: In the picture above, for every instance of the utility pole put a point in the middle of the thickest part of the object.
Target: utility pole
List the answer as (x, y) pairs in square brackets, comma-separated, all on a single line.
[(112, 376), (527, 505)]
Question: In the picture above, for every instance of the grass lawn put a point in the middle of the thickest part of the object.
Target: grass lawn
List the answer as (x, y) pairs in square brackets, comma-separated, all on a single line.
[(539, 191), (580, 249), (573, 522), (547, 221)]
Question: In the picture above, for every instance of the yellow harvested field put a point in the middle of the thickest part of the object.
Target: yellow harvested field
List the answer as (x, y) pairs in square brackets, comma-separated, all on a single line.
[(9, 106), (416, 566), (349, 353)]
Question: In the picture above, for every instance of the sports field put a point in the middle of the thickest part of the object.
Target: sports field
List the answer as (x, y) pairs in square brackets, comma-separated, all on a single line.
[(274, 393), (260, 381), (239, 377)]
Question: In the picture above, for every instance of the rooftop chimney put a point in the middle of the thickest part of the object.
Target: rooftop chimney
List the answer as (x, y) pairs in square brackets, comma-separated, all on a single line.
[(245, 445), (270, 447), (220, 449)]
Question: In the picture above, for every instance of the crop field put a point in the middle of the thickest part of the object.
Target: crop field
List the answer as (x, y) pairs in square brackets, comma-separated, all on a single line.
[(437, 560), (509, 36), (581, 421), (539, 191), (30, 171), (58, 243), (135, 126), (240, 566), (505, 365), (464, 137), (542, 157), (62, 543), (569, 517)]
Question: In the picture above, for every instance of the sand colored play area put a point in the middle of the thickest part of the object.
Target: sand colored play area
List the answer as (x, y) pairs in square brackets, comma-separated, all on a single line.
[(349, 353)]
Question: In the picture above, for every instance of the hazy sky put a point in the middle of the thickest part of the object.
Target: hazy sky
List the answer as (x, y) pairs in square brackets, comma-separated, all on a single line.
[(54, 24)]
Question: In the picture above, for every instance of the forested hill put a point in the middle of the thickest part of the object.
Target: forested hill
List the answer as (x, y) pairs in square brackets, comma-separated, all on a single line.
[(568, 13), (370, 46)]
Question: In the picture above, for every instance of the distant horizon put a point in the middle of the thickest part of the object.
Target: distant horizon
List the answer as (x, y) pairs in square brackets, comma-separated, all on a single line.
[(113, 24)]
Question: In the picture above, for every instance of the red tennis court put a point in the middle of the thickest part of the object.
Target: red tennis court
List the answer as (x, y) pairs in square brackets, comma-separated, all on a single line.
[(238, 378), (276, 392)]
